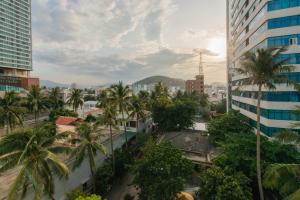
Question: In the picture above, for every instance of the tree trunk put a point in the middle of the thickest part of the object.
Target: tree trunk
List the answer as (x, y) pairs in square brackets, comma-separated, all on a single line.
[(137, 124), (8, 128), (258, 162), (35, 118), (112, 150), (123, 118)]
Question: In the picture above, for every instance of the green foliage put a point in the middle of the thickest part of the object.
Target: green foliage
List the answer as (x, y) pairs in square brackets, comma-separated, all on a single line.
[(144, 97), (265, 68), (239, 155), (33, 149), (37, 101), (219, 107), (74, 194), (87, 145), (128, 197), (176, 115), (75, 99), (104, 179), (232, 123), (283, 178), (90, 118), (123, 159), (91, 197), (287, 136), (216, 185), (160, 94), (61, 112), (160, 173), (104, 176), (137, 108), (11, 111), (120, 96), (89, 98), (55, 98)]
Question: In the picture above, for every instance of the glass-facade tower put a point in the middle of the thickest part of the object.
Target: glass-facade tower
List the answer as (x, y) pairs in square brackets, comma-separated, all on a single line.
[(15, 42), (253, 24)]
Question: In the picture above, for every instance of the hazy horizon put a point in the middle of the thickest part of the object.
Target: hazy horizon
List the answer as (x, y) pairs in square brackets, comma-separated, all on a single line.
[(99, 42)]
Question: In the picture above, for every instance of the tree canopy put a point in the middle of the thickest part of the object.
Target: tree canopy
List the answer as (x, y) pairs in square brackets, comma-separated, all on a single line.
[(160, 174), (239, 155), (216, 185), (176, 115), (227, 124)]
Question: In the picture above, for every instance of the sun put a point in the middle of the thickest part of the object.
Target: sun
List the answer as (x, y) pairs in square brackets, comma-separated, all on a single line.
[(218, 45)]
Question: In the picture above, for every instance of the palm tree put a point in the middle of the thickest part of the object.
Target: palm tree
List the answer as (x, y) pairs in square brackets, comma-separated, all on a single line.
[(55, 98), (264, 68), (145, 99), (159, 95), (287, 136), (87, 144), (120, 95), (37, 101), (33, 152), (108, 118), (285, 179), (103, 98), (75, 99), (137, 110), (10, 111)]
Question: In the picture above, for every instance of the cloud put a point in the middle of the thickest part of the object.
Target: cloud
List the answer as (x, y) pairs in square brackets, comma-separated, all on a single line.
[(205, 52), (109, 40)]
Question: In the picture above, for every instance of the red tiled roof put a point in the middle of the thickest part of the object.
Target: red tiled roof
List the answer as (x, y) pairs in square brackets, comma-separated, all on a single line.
[(66, 120)]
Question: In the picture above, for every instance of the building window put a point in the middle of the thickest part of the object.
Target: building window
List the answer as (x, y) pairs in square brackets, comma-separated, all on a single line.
[(293, 41)]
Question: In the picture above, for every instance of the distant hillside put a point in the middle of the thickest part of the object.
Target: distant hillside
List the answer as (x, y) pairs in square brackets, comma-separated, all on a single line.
[(167, 81), (52, 84)]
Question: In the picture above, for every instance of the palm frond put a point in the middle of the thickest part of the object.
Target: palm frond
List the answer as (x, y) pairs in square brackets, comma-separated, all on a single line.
[(294, 196), (14, 188), (100, 147), (282, 177), (59, 166), (9, 161), (15, 141), (78, 153), (91, 157)]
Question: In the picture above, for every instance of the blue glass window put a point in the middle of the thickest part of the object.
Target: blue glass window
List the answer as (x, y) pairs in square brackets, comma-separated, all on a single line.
[(284, 22), (282, 4), (269, 113), (288, 96)]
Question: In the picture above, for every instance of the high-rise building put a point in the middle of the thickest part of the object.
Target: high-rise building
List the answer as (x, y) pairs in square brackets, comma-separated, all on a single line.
[(253, 24), (15, 45), (197, 85)]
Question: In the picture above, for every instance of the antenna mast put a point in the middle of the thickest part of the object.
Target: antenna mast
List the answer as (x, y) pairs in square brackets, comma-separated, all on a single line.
[(201, 65)]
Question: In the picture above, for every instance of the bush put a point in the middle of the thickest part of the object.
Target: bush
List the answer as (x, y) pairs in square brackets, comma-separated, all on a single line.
[(74, 194), (104, 179), (90, 118), (128, 197), (92, 197)]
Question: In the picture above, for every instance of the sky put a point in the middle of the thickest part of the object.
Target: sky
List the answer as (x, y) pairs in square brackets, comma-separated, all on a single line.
[(96, 42)]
